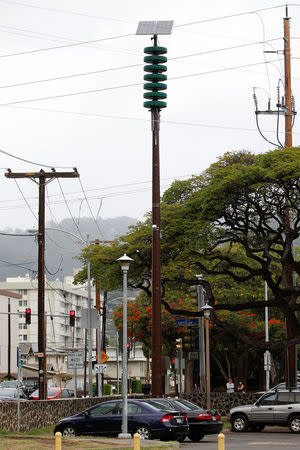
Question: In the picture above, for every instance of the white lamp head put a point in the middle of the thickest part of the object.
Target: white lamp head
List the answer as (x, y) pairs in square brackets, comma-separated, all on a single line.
[(207, 309), (125, 261)]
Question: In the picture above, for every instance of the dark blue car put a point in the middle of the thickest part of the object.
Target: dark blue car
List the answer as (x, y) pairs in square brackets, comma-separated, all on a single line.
[(106, 419)]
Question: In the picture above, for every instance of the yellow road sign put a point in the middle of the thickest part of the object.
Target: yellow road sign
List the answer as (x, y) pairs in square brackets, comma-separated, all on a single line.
[(104, 357)]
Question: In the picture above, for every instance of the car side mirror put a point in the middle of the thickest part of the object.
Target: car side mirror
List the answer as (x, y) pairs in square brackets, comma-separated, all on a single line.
[(86, 414)]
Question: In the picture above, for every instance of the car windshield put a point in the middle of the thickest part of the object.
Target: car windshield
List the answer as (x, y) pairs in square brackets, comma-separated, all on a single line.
[(181, 403)]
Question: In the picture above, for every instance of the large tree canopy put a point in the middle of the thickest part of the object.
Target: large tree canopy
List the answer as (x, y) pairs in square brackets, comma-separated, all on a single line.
[(237, 224)]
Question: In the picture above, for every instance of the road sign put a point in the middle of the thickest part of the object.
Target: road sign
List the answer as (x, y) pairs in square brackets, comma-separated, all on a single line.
[(100, 368), (104, 357), (19, 357), (75, 359), (94, 318), (186, 322)]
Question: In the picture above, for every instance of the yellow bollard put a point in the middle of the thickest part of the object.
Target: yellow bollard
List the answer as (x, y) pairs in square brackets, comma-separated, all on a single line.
[(136, 441), (58, 441), (221, 441)]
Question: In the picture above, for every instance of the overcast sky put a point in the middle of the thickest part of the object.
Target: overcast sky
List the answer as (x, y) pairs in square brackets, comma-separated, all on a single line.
[(106, 134)]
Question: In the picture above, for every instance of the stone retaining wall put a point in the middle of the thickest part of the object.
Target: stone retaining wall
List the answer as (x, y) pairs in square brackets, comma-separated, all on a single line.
[(221, 401), (37, 414)]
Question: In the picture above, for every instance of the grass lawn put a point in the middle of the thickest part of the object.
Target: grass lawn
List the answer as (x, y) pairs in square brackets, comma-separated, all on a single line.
[(43, 438)]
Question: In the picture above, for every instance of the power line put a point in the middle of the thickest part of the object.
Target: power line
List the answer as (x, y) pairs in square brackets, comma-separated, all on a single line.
[(138, 183), (92, 91), (15, 234), (86, 199), (95, 72), (213, 19), (71, 215), (31, 162), (18, 265), (63, 11), (74, 44)]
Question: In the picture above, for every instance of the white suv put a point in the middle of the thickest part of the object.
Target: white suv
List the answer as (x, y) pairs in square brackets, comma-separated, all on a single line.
[(280, 408)]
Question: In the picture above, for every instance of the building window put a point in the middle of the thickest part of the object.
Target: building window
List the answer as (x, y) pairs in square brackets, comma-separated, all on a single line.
[(20, 303), (24, 337), (20, 326), (20, 337)]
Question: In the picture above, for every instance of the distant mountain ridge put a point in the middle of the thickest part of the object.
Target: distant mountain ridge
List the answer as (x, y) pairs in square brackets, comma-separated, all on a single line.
[(18, 255)]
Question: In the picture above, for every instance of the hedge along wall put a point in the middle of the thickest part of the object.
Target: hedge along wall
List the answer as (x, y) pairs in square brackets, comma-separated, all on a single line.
[(41, 413)]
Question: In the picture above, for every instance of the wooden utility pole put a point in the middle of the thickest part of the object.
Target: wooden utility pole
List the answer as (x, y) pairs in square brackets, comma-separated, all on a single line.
[(156, 275), (43, 179), (286, 108), (291, 352)]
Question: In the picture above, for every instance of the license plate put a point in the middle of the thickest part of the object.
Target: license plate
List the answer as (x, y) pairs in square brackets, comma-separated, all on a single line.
[(213, 417), (179, 420)]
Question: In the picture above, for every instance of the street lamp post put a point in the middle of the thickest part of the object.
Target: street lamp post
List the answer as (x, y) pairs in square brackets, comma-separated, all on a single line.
[(200, 304), (124, 263), (207, 309)]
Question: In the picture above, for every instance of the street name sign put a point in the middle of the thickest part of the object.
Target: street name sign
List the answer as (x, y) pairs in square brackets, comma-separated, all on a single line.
[(186, 322)]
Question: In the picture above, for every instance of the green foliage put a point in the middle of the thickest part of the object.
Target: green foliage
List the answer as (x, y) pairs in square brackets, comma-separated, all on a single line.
[(106, 389), (136, 386)]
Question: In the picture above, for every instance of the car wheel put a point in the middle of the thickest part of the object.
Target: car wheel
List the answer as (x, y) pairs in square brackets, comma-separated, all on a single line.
[(256, 428), (294, 424), (240, 423), (144, 432), (69, 431), (195, 436)]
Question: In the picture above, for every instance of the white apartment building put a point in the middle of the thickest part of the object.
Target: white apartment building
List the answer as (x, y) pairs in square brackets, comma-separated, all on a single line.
[(60, 298), (9, 302)]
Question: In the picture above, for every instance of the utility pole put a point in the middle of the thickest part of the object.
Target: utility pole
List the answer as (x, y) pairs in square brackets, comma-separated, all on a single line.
[(42, 178), (154, 77), (291, 353), (285, 106)]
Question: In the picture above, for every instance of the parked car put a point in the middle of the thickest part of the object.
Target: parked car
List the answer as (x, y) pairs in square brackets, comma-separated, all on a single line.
[(280, 407), (30, 386), (282, 386), (54, 393), (12, 384), (201, 421), (11, 394), (106, 419)]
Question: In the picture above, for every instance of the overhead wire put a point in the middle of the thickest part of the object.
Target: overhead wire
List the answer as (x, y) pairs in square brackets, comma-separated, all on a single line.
[(91, 91), (56, 47), (229, 16), (35, 216), (70, 212), (18, 265), (32, 162), (90, 209), (129, 66)]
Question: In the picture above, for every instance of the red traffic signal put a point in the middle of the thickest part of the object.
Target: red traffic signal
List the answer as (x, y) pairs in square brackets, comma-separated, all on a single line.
[(28, 316), (72, 318)]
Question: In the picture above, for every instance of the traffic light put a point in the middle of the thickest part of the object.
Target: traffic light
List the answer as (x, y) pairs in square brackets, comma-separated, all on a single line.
[(179, 343), (72, 318), (155, 68), (186, 341), (193, 294), (128, 349), (28, 316)]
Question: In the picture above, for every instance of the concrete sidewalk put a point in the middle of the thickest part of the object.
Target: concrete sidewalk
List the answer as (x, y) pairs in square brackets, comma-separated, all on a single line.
[(128, 443)]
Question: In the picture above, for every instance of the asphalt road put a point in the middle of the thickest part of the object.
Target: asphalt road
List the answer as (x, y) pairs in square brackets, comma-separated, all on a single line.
[(275, 440)]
